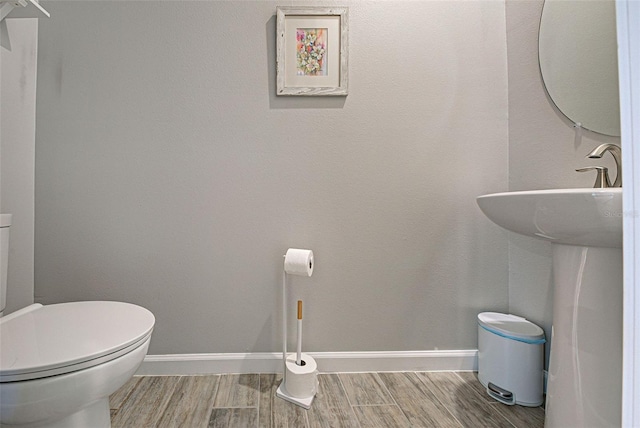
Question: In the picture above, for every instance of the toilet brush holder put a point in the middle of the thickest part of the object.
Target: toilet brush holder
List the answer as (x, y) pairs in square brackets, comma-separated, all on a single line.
[(300, 382)]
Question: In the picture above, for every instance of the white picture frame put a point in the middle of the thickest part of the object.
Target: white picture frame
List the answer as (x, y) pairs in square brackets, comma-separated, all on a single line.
[(312, 51)]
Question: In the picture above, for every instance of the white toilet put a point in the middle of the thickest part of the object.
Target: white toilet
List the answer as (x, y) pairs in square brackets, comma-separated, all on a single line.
[(59, 363)]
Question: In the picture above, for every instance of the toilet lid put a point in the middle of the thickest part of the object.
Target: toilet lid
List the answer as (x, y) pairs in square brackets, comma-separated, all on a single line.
[(40, 341)]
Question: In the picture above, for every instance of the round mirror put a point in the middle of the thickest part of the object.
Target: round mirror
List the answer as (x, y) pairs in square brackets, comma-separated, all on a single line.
[(579, 62)]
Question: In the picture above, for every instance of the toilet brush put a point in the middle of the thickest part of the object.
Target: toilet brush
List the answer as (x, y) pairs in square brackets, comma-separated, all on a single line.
[(299, 345)]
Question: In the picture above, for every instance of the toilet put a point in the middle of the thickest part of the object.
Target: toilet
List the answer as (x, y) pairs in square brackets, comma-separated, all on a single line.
[(59, 363)]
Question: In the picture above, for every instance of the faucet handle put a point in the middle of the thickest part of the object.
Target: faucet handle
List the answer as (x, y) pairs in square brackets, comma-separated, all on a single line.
[(602, 178)]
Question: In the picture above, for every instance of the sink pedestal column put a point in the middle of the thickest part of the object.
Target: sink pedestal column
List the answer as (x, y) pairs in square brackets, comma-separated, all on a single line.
[(584, 386)]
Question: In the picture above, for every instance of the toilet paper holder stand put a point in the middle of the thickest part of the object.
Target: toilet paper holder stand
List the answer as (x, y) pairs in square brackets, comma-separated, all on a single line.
[(282, 392)]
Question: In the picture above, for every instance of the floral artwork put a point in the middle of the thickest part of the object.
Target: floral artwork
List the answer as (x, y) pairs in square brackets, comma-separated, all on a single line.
[(311, 48)]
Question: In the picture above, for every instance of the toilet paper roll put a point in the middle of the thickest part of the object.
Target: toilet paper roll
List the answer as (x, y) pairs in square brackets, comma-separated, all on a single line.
[(301, 381), (298, 262)]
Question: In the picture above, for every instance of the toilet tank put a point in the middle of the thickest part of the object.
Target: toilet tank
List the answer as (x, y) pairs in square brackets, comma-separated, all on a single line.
[(5, 222)]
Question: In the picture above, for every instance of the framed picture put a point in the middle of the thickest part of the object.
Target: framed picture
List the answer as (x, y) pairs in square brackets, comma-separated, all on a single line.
[(312, 57)]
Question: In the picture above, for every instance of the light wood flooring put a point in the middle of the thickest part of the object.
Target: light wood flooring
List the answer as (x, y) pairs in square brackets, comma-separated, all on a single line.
[(359, 400)]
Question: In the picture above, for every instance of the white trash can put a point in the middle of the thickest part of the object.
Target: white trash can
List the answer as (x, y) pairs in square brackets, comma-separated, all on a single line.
[(511, 358)]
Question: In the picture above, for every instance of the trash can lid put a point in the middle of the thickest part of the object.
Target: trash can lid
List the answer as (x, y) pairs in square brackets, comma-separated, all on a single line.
[(511, 327)]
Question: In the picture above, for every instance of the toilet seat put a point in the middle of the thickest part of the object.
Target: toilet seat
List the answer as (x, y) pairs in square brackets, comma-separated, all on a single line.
[(41, 341)]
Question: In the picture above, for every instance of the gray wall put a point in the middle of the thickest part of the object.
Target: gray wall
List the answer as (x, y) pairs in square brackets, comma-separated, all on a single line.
[(544, 151), (170, 147), (18, 64), (170, 175)]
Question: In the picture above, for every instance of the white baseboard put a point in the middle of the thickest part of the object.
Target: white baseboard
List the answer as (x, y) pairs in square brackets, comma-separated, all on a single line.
[(328, 362)]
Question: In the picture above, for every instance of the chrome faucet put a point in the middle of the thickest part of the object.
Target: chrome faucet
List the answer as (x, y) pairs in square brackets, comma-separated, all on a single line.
[(597, 153)]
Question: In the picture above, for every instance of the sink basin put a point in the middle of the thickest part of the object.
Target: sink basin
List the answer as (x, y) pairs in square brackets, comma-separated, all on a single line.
[(585, 217), (585, 228)]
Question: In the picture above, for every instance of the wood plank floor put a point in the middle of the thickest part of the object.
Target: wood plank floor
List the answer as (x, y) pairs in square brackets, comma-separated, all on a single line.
[(359, 400)]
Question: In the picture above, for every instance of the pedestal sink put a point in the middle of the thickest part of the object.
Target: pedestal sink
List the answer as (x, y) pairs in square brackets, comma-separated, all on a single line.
[(584, 386)]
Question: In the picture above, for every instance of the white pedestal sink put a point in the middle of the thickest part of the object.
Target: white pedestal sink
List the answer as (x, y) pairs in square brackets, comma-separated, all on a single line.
[(584, 386)]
